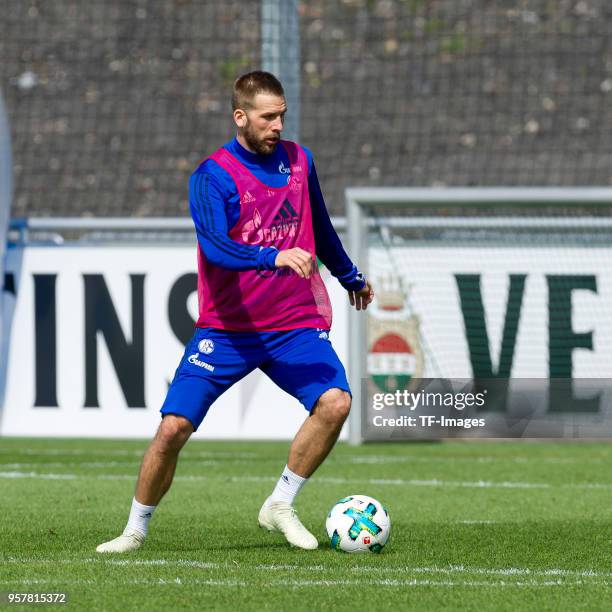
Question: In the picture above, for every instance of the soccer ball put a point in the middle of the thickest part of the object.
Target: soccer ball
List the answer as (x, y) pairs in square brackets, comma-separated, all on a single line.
[(358, 523)]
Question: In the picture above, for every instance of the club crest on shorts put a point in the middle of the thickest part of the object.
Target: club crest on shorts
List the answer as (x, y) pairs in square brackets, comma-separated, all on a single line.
[(206, 346)]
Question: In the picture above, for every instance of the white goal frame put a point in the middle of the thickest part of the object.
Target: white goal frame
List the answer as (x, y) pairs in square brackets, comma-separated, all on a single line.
[(362, 201)]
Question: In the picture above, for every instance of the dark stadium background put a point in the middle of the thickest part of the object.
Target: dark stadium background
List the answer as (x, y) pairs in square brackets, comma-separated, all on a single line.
[(113, 103)]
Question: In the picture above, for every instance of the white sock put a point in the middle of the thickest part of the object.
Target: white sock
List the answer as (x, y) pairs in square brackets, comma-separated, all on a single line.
[(140, 515), (287, 487)]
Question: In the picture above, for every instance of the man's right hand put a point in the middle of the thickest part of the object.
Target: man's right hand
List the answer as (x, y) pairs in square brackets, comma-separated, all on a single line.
[(299, 260)]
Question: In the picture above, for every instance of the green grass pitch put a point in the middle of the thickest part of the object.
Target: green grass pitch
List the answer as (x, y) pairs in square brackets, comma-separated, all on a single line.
[(476, 526)]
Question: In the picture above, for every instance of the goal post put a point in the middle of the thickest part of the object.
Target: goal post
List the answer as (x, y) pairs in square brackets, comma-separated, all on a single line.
[(476, 287)]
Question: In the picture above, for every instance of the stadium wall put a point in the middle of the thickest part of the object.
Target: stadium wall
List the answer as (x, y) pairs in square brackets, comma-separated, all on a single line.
[(114, 103)]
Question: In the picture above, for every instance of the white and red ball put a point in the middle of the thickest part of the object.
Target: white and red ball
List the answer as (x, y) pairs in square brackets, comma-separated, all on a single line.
[(358, 523)]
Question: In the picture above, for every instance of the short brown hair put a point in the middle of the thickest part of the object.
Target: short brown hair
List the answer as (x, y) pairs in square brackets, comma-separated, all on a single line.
[(250, 84)]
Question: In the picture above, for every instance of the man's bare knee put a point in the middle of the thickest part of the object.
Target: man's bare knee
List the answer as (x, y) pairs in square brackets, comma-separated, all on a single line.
[(173, 432), (333, 406)]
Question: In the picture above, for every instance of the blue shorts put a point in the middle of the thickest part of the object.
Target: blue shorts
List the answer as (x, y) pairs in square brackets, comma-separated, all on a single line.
[(302, 362)]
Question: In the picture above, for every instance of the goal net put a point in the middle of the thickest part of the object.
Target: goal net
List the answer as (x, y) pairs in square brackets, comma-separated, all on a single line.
[(492, 313)]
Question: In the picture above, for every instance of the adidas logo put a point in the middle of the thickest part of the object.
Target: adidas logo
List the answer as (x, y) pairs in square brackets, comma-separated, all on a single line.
[(286, 214), (247, 198)]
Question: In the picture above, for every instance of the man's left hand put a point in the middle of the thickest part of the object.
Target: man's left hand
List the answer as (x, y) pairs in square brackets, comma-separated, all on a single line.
[(360, 299)]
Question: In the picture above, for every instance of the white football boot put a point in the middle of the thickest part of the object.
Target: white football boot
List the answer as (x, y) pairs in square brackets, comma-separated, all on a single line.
[(281, 516), (124, 543)]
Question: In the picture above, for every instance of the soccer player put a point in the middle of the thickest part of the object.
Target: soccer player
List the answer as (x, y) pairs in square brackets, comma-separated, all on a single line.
[(260, 220)]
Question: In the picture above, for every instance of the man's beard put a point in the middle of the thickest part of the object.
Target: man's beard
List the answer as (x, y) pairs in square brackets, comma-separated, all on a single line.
[(259, 146)]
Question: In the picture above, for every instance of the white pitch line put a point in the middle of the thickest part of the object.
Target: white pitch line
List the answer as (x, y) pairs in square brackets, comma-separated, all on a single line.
[(59, 581), (152, 581), (105, 464), (101, 560), (123, 453), (154, 562), (193, 462), (386, 582), (508, 571), (478, 484), (38, 475), (56, 464), (434, 482), (446, 583), (368, 569), (375, 459), (383, 459), (71, 451)]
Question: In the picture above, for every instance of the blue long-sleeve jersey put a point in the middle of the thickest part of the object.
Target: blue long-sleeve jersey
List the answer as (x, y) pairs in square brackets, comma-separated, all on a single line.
[(214, 203)]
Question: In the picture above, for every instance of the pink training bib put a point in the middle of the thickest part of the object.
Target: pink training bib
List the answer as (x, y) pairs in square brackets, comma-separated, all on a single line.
[(266, 300)]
